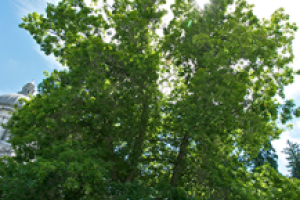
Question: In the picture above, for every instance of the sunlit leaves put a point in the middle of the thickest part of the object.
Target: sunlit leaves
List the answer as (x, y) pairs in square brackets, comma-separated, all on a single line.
[(110, 99)]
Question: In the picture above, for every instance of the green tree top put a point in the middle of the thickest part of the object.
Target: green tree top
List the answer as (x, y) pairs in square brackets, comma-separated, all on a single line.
[(293, 152), (95, 130)]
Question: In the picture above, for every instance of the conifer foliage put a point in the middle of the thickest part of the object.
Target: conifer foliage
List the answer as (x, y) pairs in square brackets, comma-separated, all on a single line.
[(293, 152), (267, 154)]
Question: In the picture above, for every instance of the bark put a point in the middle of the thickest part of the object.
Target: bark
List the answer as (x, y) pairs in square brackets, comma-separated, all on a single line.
[(137, 148), (179, 161)]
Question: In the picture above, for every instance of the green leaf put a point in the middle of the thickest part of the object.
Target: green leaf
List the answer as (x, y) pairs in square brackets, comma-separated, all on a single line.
[(127, 139), (189, 23)]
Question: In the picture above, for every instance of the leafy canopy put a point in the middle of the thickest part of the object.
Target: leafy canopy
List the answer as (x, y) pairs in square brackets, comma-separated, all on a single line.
[(100, 129)]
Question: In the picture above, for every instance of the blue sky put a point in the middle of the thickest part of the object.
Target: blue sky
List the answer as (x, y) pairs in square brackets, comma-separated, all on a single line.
[(22, 60)]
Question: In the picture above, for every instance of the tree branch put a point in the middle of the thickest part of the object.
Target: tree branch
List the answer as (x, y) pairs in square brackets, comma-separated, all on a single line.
[(137, 149), (179, 161)]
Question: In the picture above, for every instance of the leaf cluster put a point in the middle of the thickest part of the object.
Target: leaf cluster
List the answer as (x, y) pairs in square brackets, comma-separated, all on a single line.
[(104, 129)]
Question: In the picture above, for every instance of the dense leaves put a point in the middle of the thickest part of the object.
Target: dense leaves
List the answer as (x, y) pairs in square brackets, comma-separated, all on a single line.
[(266, 154), (103, 128)]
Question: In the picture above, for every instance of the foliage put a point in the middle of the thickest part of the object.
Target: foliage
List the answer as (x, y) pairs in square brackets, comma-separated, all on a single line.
[(294, 159), (266, 154), (101, 128)]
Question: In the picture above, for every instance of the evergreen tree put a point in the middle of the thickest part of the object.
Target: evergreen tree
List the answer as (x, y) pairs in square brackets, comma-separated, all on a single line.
[(267, 154), (293, 152)]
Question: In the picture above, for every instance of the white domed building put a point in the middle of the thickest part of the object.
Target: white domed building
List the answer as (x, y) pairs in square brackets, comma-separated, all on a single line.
[(7, 102)]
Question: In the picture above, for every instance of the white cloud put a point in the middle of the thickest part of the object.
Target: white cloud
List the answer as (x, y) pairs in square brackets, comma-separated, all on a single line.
[(298, 124)]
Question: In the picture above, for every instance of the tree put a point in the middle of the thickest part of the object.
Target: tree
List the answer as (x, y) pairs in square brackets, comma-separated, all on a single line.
[(266, 154), (294, 159), (94, 131)]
